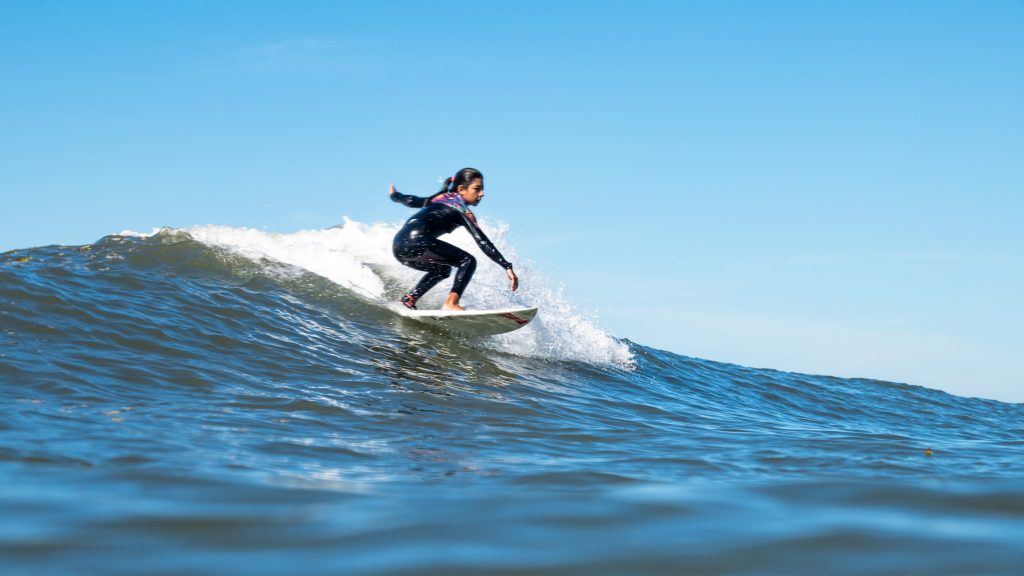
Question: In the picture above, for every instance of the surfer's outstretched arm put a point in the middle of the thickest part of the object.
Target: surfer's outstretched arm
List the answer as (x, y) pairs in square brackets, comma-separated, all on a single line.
[(408, 199)]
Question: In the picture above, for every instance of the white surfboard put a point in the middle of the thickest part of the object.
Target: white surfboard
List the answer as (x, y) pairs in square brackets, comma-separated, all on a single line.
[(475, 322)]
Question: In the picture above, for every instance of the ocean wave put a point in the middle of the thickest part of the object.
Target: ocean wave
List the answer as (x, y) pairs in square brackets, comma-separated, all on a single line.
[(176, 400)]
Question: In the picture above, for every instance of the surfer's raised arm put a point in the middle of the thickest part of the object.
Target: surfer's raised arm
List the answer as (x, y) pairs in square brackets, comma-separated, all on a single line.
[(408, 199)]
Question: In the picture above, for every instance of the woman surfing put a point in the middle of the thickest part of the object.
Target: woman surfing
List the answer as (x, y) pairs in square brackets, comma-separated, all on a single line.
[(416, 245)]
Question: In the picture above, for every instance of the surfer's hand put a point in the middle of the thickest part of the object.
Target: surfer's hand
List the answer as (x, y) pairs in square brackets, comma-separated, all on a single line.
[(513, 279), (391, 190)]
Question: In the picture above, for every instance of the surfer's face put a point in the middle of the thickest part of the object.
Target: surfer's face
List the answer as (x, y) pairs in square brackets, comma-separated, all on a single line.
[(473, 192)]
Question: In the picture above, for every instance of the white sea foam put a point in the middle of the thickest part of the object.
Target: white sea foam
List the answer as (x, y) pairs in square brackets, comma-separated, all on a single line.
[(358, 257)]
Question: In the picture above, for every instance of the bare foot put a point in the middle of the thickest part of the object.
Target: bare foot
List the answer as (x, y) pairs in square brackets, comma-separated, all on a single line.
[(452, 302)]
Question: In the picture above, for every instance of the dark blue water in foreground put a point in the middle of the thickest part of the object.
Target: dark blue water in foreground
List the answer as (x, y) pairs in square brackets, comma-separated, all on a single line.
[(172, 409)]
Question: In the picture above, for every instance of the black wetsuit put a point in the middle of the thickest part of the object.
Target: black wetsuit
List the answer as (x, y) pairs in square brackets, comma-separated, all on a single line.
[(416, 244)]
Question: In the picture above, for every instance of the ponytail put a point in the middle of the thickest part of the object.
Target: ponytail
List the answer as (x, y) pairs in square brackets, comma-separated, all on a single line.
[(446, 185)]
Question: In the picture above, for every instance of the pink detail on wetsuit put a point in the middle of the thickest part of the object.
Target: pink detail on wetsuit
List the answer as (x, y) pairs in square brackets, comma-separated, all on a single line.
[(455, 201)]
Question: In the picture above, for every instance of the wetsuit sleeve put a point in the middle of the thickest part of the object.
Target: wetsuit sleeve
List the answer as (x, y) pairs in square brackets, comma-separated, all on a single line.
[(484, 242), (410, 200)]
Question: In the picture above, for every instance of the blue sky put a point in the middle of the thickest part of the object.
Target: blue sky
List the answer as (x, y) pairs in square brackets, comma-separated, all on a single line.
[(828, 187)]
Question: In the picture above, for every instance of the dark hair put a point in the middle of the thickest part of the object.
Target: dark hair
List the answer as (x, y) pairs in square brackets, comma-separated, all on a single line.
[(462, 178)]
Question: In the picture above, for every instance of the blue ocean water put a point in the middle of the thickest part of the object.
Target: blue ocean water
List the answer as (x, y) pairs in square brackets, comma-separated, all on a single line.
[(225, 401)]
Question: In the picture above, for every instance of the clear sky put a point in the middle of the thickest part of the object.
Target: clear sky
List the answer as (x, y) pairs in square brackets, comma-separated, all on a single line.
[(825, 187)]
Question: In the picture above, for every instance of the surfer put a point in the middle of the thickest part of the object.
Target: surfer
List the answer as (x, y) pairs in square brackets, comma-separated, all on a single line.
[(416, 244)]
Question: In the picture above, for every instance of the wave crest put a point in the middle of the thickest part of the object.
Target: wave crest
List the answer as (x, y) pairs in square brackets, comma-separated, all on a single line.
[(357, 257)]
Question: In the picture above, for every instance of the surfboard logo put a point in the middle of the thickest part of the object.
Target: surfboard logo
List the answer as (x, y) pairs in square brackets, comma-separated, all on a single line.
[(515, 318)]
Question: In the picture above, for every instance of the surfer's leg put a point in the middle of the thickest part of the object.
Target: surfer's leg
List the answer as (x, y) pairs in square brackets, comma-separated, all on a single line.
[(435, 273), (465, 265), (437, 258), (411, 253), (427, 255), (466, 268)]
